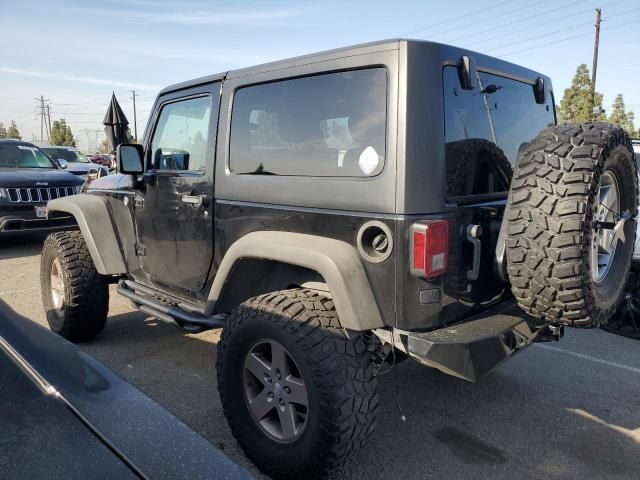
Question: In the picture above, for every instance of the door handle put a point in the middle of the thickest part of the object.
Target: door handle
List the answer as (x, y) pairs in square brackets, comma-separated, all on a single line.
[(195, 201)]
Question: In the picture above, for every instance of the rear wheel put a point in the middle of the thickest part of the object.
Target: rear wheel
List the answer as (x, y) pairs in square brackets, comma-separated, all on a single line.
[(299, 395), (571, 227), (74, 294)]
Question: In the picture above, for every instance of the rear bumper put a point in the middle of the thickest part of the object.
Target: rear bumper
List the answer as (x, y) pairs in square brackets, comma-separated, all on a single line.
[(17, 224), (472, 349)]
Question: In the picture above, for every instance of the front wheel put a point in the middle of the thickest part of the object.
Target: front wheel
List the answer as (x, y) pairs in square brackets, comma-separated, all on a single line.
[(74, 294), (299, 395)]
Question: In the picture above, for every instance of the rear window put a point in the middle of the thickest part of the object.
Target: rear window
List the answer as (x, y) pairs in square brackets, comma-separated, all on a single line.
[(485, 128), (326, 125)]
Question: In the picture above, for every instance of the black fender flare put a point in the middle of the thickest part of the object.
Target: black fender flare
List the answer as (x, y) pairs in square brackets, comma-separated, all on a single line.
[(93, 218), (336, 261)]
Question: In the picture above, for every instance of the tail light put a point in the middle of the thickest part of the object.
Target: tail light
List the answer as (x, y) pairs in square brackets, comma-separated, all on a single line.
[(429, 246)]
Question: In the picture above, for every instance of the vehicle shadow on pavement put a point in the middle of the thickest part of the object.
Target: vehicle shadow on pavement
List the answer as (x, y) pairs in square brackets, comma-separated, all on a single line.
[(21, 246), (531, 418)]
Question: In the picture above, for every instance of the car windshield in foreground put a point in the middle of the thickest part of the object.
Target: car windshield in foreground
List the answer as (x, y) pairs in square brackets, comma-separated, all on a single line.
[(66, 154), (23, 156)]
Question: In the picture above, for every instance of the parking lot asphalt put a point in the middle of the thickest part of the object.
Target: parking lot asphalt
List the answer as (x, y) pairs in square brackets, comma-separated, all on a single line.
[(561, 410)]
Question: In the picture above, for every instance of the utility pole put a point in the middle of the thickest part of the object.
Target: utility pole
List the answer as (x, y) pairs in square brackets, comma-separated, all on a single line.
[(49, 120), (595, 62), (135, 123), (44, 125), (41, 118)]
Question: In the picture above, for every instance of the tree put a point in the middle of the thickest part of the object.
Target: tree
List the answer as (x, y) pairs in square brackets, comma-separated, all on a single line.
[(12, 131), (105, 146), (630, 125), (130, 138), (3, 131), (620, 117), (579, 100), (61, 134)]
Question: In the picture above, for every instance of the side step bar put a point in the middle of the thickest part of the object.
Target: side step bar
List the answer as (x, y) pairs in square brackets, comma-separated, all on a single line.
[(472, 349), (143, 298)]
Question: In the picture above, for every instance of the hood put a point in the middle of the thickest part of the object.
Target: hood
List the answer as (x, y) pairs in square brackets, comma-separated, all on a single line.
[(37, 178), (116, 181), (79, 168)]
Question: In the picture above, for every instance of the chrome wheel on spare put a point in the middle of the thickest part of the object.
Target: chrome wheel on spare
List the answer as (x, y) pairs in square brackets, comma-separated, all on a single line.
[(275, 391), (56, 284), (604, 240)]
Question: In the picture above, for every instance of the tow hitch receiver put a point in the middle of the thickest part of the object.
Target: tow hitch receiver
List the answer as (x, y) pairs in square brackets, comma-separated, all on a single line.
[(472, 349)]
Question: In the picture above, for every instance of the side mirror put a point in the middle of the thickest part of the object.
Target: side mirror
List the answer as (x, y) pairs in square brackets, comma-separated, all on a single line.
[(129, 159), (63, 163), (467, 72), (540, 90)]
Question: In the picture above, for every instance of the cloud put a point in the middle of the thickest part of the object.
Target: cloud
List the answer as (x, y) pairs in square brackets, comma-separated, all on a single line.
[(75, 78)]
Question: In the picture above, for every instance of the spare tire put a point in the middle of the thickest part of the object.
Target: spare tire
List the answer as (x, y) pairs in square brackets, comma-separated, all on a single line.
[(572, 184)]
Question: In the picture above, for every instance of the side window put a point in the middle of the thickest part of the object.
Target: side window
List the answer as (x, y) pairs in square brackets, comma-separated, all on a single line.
[(485, 128), (180, 138), (325, 125)]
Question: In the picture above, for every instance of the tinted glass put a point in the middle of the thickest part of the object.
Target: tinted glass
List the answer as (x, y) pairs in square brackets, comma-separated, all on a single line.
[(485, 128), (325, 125), (180, 139), (23, 156), (65, 154)]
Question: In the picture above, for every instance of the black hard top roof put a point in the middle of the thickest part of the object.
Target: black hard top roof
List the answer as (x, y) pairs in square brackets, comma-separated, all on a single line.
[(364, 48)]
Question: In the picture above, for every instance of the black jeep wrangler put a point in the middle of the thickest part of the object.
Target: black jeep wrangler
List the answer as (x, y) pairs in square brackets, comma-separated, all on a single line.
[(336, 211)]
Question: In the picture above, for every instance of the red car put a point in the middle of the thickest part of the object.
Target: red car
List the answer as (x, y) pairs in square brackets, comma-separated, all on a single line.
[(103, 159)]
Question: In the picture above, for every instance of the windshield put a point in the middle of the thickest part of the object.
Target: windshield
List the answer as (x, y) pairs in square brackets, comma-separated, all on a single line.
[(66, 154), (23, 156)]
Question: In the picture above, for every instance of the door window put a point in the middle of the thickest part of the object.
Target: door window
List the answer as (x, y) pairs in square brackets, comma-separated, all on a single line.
[(325, 125), (180, 139)]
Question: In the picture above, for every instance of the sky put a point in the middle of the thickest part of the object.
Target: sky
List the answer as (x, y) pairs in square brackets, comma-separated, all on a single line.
[(75, 53)]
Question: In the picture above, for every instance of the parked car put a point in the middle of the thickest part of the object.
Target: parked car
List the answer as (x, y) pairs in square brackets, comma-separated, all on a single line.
[(102, 159), (28, 180), (65, 415), (636, 146), (339, 211), (75, 161)]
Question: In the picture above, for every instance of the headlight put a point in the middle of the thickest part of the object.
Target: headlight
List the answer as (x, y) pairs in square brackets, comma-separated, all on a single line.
[(4, 193)]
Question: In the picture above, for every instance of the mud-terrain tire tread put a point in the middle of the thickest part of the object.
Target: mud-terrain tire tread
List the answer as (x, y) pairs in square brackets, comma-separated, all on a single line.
[(343, 372), (550, 217), (86, 291)]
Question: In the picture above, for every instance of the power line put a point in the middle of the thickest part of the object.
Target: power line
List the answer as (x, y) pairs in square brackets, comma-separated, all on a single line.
[(568, 38), (452, 19), (484, 20), (536, 26), (537, 37), (524, 19)]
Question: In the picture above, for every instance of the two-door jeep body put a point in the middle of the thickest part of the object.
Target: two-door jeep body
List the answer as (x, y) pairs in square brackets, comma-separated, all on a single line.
[(336, 211)]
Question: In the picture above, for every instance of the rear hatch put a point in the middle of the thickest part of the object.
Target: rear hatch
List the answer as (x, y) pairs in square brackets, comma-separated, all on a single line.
[(484, 129)]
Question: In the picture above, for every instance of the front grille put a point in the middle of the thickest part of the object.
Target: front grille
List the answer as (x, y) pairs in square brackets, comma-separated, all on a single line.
[(38, 195)]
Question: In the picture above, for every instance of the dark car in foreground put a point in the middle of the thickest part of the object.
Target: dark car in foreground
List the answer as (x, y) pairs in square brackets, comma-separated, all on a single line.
[(74, 161), (65, 415), (28, 180)]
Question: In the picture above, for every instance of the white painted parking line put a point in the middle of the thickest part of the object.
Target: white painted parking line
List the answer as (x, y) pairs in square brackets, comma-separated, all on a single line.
[(601, 361)]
